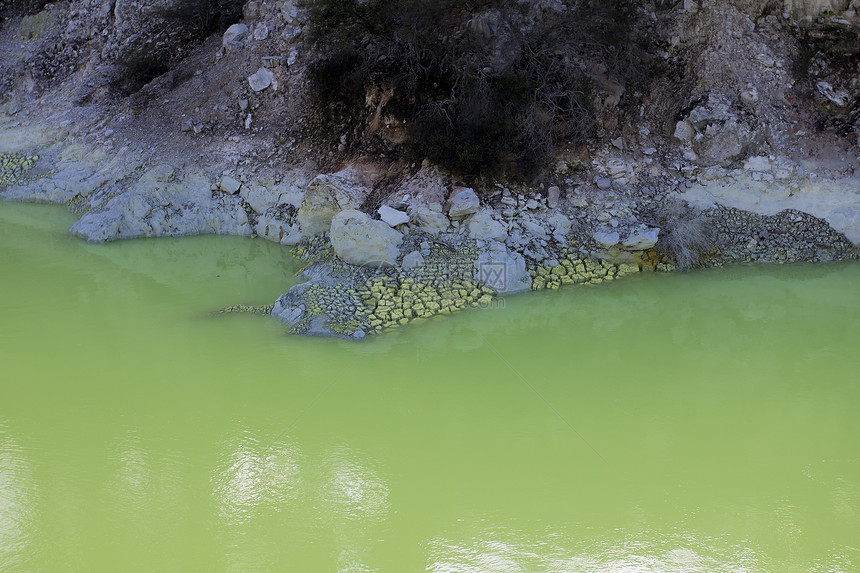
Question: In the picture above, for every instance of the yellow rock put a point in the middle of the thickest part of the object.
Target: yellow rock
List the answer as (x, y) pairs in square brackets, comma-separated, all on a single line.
[(627, 269)]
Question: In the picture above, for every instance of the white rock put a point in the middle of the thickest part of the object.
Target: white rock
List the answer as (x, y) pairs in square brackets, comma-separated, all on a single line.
[(758, 163), (261, 79), (463, 202), (641, 239), (412, 260), (259, 197), (534, 229), (561, 225), (837, 200), (359, 240), (392, 216), (229, 185), (840, 98), (606, 239)]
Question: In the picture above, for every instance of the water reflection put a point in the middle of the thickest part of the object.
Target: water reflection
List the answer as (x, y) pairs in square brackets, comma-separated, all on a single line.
[(353, 490), (337, 495), (256, 478), (493, 550), (17, 503)]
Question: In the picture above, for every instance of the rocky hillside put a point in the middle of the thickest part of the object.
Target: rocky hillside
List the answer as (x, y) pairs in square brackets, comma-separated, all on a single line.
[(679, 135)]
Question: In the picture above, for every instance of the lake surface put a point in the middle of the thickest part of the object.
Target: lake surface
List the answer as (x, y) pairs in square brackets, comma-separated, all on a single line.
[(699, 422)]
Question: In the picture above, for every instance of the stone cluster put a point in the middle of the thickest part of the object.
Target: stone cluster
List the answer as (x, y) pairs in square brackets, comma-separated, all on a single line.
[(393, 302), (574, 268), (786, 237)]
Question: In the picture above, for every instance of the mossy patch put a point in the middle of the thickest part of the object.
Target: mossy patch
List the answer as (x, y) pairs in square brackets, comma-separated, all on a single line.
[(575, 268)]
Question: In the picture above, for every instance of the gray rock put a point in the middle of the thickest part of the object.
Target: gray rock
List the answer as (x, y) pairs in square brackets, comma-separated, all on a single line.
[(392, 216), (412, 260), (534, 229), (725, 143), (603, 182), (503, 270), (552, 196), (684, 132), (153, 208), (232, 39), (261, 79), (606, 239), (482, 226), (261, 32), (428, 220), (463, 202), (359, 240)]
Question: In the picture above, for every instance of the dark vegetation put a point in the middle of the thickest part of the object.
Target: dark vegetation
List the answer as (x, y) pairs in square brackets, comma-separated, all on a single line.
[(22, 7), (180, 26), (482, 87)]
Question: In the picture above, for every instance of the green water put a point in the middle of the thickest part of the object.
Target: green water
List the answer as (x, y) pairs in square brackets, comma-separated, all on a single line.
[(704, 422)]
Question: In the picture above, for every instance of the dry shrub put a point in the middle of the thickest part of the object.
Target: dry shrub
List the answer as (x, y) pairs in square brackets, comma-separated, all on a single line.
[(685, 233)]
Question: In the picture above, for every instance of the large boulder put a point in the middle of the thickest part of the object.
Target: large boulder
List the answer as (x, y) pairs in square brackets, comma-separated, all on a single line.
[(503, 270), (359, 240), (463, 202), (326, 196)]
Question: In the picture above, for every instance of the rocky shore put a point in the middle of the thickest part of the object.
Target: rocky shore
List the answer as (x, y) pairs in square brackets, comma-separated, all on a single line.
[(735, 177), (431, 248)]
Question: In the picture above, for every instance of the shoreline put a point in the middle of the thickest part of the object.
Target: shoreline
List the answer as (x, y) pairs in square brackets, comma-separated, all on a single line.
[(430, 249)]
